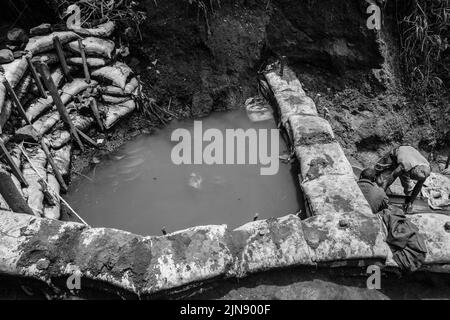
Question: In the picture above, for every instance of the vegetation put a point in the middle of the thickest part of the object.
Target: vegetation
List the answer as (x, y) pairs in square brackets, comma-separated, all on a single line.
[(424, 40), (424, 31)]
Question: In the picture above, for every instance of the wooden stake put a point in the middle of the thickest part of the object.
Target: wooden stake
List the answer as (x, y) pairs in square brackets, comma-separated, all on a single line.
[(16, 100), (83, 57), (62, 58), (54, 167), (12, 196), (12, 164), (94, 108), (46, 77), (36, 78), (87, 139)]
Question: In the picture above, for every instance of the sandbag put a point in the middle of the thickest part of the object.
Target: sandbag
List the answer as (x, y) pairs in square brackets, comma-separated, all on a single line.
[(81, 122), (94, 47), (39, 106), (117, 74), (114, 113), (45, 43), (34, 190), (91, 62), (46, 122), (75, 87), (102, 30), (131, 86), (48, 58), (58, 138), (113, 91), (15, 70), (62, 159), (113, 99)]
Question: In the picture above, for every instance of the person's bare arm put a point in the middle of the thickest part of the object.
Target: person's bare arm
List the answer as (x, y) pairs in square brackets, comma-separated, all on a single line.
[(391, 178)]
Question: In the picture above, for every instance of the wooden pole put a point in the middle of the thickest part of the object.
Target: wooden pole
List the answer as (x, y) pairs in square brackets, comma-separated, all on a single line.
[(94, 108), (46, 77), (16, 100), (86, 138), (83, 57), (54, 167), (36, 78), (62, 58), (16, 171), (12, 196)]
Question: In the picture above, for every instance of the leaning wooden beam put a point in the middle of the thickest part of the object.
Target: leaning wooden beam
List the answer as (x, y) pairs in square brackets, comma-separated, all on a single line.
[(96, 113), (16, 100), (46, 77), (16, 171), (11, 194), (86, 138), (36, 78), (62, 58), (87, 76), (54, 166)]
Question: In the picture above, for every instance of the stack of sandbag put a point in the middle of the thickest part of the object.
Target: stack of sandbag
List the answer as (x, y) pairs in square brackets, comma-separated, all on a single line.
[(112, 85)]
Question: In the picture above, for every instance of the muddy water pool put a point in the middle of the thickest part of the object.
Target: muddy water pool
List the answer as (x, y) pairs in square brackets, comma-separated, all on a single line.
[(138, 188)]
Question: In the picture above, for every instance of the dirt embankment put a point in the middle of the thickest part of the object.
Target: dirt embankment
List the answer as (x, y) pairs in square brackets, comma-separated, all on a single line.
[(203, 64), (199, 62)]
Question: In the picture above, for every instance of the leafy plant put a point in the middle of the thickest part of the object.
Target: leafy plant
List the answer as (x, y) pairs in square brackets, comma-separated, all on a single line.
[(424, 32)]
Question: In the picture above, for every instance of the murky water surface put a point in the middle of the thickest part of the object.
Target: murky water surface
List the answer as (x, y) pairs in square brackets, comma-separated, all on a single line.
[(139, 189)]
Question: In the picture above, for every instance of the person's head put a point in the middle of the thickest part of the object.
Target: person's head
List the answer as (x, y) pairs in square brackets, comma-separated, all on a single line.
[(420, 173), (368, 174)]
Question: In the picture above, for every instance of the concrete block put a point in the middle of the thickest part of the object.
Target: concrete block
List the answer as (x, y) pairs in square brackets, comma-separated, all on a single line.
[(307, 130), (335, 194), (267, 244), (345, 236), (322, 159)]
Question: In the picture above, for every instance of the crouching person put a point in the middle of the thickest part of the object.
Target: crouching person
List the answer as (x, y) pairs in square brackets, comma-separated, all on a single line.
[(375, 196), (409, 165)]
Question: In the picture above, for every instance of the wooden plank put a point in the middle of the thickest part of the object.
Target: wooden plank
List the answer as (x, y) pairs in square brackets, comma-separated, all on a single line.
[(55, 168), (36, 78), (12, 164), (62, 58), (46, 77), (86, 138), (16, 100), (96, 113)]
